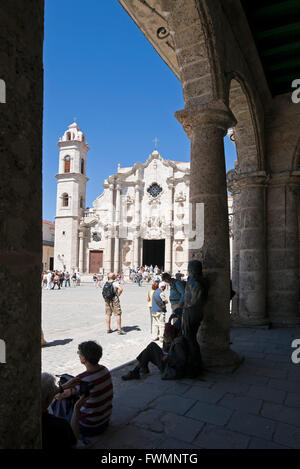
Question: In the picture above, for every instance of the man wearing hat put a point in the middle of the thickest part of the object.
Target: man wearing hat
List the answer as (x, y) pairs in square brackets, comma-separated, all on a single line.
[(171, 361)]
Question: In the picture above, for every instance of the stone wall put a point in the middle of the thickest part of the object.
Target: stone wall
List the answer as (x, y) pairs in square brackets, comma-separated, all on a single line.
[(21, 41)]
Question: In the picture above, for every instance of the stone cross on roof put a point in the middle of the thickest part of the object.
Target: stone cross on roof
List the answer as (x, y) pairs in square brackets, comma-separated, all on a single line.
[(155, 143)]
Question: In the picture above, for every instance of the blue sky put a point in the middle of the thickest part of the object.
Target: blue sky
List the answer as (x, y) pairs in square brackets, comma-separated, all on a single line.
[(100, 68)]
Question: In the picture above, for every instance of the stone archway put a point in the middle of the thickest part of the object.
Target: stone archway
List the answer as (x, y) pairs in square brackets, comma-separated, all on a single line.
[(247, 183)]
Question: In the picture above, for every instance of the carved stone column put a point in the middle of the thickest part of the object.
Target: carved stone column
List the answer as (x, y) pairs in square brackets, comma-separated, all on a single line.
[(137, 219), (169, 230), (250, 189), (283, 250), (81, 251), (117, 231), (108, 250), (206, 126), (236, 235)]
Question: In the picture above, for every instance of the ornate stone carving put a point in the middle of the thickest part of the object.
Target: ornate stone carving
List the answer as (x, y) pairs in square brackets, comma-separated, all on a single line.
[(215, 114), (180, 197)]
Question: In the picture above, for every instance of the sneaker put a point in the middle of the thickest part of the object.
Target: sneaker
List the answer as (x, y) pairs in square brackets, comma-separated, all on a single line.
[(121, 332), (133, 374), (109, 331)]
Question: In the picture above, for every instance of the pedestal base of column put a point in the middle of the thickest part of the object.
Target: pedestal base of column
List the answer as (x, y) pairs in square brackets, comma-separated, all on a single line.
[(238, 321), (225, 362)]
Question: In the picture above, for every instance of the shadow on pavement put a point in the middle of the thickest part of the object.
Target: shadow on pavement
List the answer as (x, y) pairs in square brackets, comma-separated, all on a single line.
[(131, 328), (57, 342)]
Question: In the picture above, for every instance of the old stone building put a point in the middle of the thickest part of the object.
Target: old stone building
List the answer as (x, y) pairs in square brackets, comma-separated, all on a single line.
[(237, 61), (48, 245), (141, 218)]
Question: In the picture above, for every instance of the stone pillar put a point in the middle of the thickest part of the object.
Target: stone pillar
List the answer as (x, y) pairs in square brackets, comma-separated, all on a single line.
[(117, 255), (107, 256), (236, 237), (169, 238), (168, 254), (283, 250), (108, 251), (81, 251), (136, 248), (117, 231), (137, 219), (206, 126), (251, 244), (21, 39)]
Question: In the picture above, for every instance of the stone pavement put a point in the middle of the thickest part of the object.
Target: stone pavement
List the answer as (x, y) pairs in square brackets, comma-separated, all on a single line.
[(256, 407)]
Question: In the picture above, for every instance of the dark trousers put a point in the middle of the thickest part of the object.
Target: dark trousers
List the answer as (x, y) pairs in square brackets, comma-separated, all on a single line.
[(192, 318), (153, 354)]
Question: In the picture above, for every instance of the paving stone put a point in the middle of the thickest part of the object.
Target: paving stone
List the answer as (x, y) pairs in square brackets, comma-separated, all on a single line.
[(150, 420), (252, 425), (233, 387), (281, 413), (272, 373), (266, 393), (292, 400), (121, 415), (214, 437), (172, 403), (241, 403), (283, 385), (294, 374), (172, 443), (129, 437), (177, 387), (287, 435), (278, 358), (181, 428), (204, 395), (257, 443), (209, 413), (140, 399)]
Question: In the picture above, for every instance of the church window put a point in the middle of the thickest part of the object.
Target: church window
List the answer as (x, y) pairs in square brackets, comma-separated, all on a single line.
[(154, 190), (68, 135), (82, 166), (65, 200), (67, 160), (81, 202)]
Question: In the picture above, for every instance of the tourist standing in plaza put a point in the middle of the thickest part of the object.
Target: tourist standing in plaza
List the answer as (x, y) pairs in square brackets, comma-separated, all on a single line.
[(67, 279), (111, 293), (195, 296), (159, 310), (49, 279), (149, 299), (176, 291)]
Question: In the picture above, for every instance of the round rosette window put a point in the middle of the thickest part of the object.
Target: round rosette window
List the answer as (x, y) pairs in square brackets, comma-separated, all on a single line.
[(154, 190)]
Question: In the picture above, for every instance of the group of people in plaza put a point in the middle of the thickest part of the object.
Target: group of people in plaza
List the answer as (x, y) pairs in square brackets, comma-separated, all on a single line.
[(85, 401), (59, 278)]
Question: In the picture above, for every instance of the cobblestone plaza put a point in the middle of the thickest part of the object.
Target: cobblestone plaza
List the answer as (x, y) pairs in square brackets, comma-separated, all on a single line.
[(258, 406), (73, 315)]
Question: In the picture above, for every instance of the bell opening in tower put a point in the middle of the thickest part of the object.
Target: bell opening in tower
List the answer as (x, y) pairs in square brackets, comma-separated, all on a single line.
[(154, 252)]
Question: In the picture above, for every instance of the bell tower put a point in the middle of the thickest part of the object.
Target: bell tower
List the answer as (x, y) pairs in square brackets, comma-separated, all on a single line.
[(71, 195)]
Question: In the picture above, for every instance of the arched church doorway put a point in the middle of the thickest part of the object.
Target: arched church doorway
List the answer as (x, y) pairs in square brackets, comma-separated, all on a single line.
[(154, 252)]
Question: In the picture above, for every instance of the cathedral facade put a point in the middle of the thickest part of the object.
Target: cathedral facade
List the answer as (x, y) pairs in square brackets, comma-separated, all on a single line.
[(142, 216)]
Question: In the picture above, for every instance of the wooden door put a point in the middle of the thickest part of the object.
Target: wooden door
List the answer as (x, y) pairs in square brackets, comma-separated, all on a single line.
[(96, 261)]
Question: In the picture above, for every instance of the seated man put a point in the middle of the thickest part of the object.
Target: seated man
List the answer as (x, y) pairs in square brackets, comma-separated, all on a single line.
[(95, 412), (171, 362), (57, 433)]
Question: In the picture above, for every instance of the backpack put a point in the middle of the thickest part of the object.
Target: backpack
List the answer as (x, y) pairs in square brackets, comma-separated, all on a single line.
[(108, 291)]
